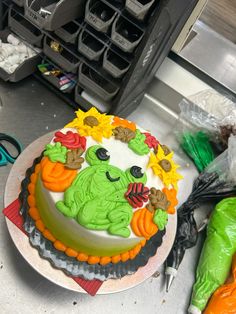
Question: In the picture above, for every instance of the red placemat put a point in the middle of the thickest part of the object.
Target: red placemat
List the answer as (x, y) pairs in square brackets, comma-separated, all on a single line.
[(13, 214)]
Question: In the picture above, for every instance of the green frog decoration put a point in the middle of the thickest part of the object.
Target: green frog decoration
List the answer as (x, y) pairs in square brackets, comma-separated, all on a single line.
[(102, 196)]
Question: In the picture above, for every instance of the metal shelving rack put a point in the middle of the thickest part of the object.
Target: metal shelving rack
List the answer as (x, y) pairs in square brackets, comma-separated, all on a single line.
[(159, 29)]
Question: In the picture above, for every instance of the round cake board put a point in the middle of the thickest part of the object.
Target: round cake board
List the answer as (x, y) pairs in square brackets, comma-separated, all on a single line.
[(41, 265)]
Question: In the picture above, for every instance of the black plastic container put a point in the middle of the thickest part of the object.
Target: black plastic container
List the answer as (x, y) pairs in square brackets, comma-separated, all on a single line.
[(140, 33), (125, 35), (25, 69), (89, 46), (95, 83), (68, 32), (99, 15), (138, 8), (23, 28), (114, 64), (66, 60), (61, 12)]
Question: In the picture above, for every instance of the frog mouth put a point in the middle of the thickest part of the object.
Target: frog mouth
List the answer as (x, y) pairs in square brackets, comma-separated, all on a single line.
[(110, 178)]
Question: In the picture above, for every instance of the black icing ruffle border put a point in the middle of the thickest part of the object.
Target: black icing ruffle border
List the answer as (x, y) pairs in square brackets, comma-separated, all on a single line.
[(72, 266)]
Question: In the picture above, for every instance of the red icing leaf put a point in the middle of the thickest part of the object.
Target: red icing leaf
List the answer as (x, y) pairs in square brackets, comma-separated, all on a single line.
[(70, 140), (151, 141), (137, 194)]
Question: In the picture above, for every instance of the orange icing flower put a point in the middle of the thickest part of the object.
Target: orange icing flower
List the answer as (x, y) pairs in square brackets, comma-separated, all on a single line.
[(171, 196), (55, 176), (124, 123), (92, 123), (142, 223), (164, 167)]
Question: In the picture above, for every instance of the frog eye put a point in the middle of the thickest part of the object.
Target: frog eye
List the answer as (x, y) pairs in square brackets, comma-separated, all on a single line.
[(96, 155), (102, 154), (136, 172)]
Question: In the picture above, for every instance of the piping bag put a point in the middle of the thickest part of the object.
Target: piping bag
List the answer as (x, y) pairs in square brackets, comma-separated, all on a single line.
[(215, 183), (217, 253), (223, 300)]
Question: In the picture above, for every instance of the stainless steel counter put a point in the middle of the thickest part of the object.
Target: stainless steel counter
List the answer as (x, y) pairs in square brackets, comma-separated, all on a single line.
[(27, 111)]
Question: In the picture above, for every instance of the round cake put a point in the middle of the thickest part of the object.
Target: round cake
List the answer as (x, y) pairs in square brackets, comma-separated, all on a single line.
[(102, 189)]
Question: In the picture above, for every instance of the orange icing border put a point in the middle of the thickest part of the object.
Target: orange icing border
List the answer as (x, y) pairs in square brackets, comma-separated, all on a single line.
[(80, 256)]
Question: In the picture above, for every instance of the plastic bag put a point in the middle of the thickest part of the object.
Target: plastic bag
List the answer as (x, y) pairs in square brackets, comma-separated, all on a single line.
[(195, 133), (215, 183), (223, 300), (217, 253), (220, 111)]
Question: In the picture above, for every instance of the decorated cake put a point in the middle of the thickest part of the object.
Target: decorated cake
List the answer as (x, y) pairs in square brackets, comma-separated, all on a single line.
[(102, 189)]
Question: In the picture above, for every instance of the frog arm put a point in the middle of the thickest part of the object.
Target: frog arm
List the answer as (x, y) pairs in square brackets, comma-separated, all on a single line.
[(120, 218), (71, 204)]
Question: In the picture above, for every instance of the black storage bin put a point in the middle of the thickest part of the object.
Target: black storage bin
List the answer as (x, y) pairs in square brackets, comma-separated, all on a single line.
[(62, 12), (114, 64), (20, 3), (23, 28), (66, 60), (89, 46), (25, 69), (99, 15), (125, 35), (138, 8), (95, 83), (68, 32), (136, 36)]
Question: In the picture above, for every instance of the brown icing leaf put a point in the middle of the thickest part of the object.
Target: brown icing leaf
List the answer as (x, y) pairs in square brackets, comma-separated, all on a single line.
[(123, 134), (91, 121), (165, 165), (74, 159), (158, 200)]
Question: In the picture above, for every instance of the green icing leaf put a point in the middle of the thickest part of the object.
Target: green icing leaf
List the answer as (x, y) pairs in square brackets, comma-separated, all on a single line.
[(56, 152), (160, 219), (138, 144)]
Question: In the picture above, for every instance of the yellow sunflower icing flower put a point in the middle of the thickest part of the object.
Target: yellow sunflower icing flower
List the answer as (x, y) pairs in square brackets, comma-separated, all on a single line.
[(164, 167), (92, 123)]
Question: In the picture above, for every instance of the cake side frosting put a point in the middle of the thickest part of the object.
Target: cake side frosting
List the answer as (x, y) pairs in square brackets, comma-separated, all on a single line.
[(105, 186)]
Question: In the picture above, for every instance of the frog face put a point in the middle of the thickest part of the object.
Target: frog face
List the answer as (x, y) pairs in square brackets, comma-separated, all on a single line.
[(106, 176), (96, 198)]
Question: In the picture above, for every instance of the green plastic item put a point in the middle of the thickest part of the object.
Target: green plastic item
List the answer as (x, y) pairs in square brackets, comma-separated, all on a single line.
[(217, 253), (198, 148)]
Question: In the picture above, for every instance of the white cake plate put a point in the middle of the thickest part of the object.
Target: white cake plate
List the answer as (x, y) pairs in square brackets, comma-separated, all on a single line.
[(41, 265)]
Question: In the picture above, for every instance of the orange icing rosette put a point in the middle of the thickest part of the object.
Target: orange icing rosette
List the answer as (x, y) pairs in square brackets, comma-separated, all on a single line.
[(142, 223), (55, 176)]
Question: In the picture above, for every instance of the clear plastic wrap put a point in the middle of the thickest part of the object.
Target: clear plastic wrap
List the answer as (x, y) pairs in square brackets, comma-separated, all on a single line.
[(196, 131), (220, 113)]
